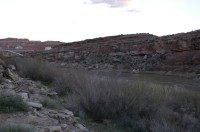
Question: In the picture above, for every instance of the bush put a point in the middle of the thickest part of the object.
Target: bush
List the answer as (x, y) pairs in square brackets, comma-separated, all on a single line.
[(66, 82), (35, 69), (16, 128), (12, 103), (50, 103), (1, 79), (136, 105), (113, 100)]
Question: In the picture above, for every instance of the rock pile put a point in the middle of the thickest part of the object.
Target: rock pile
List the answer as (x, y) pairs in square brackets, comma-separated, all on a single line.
[(41, 118)]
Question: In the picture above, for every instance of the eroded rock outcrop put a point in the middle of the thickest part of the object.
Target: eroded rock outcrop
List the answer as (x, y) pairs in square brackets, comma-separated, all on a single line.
[(25, 45), (179, 53)]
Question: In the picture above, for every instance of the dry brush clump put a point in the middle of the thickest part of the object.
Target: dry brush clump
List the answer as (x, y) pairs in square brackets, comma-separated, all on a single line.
[(51, 103), (139, 107), (35, 69)]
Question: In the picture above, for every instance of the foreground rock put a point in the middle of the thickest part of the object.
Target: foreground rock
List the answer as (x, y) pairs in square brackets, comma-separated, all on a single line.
[(35, 105)]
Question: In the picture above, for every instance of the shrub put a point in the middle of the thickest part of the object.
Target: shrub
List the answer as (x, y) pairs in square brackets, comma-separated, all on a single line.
[(35, 69), (135, 104), (16, 128), (113, 100), (12, 103), (66, 81), (1, 79), (50, 103)]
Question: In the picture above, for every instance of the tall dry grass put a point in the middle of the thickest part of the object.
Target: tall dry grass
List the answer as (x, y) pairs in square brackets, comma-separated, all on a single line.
[(136, 106)]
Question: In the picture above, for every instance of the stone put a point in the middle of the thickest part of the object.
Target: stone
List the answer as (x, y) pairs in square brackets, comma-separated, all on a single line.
[(65, 111), (52, 94), (145, 57), (12, 67), (9, 86), (53, 129), (81, 127), (35, 112), (11, 75), (64, 126), (7, 81), (35, 105), (135, 70), (59, 116)]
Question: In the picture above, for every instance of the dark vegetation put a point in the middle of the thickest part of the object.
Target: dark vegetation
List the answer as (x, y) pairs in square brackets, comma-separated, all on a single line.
[(12, 103), (15, 128), (133, 106), (50, 103)]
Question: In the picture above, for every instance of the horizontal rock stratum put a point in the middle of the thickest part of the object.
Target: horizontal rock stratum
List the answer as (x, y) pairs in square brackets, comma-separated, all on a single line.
[(178, 52), (25, 45)]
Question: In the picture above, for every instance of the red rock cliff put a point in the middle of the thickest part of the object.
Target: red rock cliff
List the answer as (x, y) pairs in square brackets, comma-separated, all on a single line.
[(178, 52)]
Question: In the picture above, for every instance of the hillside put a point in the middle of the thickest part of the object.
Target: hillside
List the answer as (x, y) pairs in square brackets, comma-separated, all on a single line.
[(144, 52)]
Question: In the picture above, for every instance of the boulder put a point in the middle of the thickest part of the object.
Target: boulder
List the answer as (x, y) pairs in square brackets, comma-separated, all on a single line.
[(53, 129), (9, 86), (52, 94), (67, 112), (81, 127), (64, 126), (35, 105), (11, 75), (12, 67)]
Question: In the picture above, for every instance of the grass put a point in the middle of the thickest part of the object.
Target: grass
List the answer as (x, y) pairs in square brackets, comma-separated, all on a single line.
[(132, 106), (138, 107), (50, 103), (12, 103), (101, 127), (16, 128), (35, 69), (1, 80)]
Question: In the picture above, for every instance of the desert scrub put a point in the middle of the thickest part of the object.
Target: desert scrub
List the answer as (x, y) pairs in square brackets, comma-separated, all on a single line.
[(16, 128), (12, 103), (1, 80), (50, 103), (136, 105), (35, 69)]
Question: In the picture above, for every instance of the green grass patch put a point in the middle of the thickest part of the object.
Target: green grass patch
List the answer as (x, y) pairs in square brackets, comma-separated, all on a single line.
[(51, 103), (12, 103), (16, 128)]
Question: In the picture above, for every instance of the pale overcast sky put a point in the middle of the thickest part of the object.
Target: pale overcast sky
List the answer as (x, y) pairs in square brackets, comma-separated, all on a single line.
[(74, 20)]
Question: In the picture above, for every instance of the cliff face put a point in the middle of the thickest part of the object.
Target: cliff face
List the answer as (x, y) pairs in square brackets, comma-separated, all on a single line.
[(25, 45), (179, 52)]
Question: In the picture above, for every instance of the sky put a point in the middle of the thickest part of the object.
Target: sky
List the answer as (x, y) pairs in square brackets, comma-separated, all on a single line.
[(75, 20)]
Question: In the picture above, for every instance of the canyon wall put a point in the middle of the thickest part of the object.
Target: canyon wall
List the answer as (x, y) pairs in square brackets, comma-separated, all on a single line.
[(146, 52), (25, 45)]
